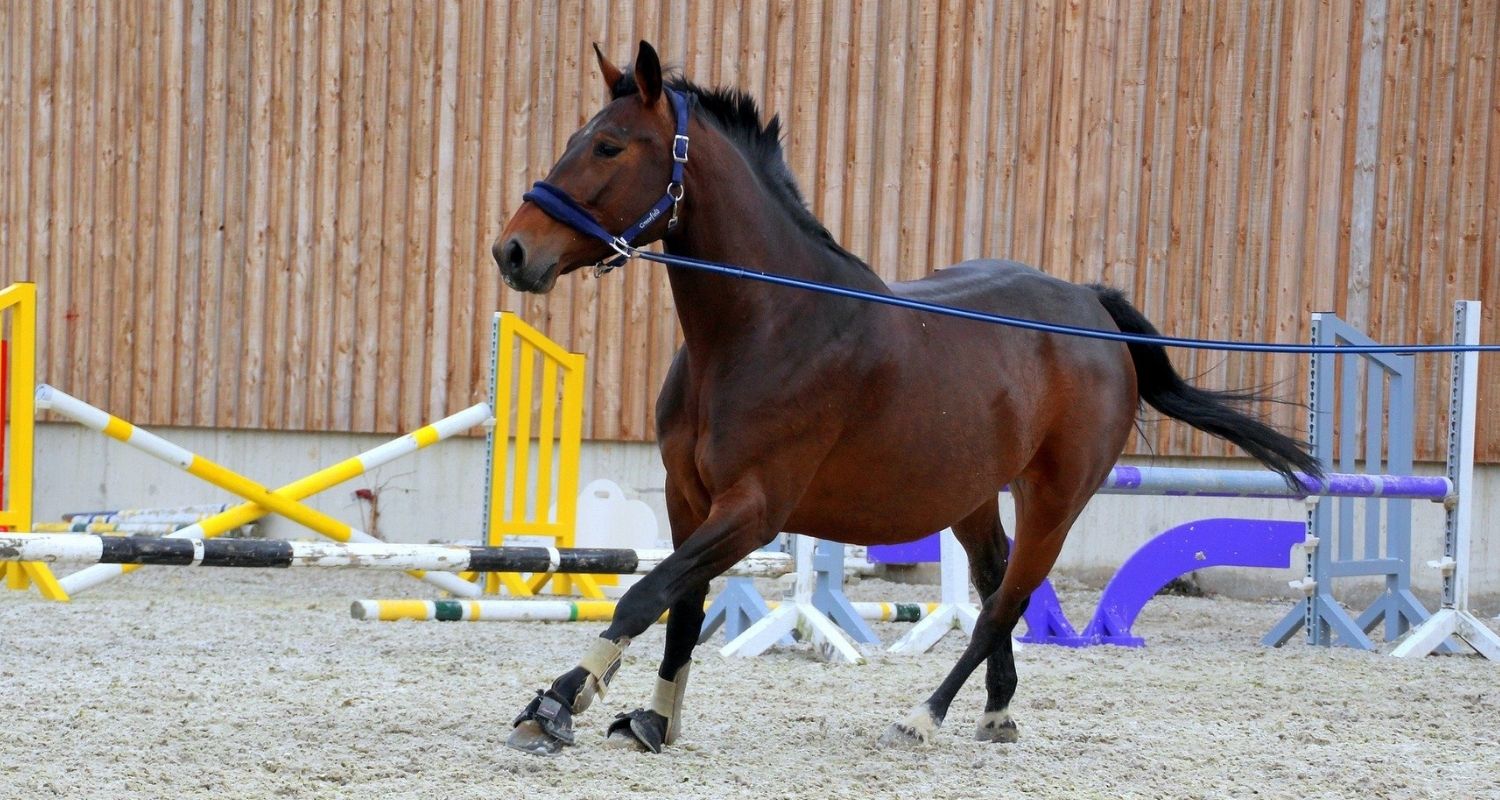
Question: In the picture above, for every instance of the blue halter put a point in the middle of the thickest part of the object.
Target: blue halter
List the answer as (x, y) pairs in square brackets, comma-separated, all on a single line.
[(559, 206)]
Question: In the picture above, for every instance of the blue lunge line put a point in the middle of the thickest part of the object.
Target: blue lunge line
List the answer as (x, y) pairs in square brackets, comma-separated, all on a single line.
[(1048, 327)]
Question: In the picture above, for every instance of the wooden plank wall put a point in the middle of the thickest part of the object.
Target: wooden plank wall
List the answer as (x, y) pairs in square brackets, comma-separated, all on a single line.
[(277, 215)]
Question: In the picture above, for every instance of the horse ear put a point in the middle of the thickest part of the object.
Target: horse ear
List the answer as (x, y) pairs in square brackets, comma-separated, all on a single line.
[(648, 73), (611, 72)]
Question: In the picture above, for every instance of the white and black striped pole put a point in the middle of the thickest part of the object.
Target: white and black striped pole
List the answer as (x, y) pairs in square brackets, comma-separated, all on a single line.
[(75, 548)]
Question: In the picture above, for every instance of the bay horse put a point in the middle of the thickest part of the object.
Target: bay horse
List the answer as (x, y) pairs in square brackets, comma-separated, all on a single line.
[(861, 423)]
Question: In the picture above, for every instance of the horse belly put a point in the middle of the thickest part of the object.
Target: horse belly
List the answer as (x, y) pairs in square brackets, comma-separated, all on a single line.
[(902, 487)]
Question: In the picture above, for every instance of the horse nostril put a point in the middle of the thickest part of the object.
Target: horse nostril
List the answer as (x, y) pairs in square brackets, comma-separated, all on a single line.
[(510, 255)]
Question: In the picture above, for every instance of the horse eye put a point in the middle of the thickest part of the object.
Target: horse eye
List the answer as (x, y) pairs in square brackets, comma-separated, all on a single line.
[(607, 150)]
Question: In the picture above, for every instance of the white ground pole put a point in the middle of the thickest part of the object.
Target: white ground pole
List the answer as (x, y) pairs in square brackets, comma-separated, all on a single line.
[(797, 614), (1454, 618), (50, 398), (954, 609)]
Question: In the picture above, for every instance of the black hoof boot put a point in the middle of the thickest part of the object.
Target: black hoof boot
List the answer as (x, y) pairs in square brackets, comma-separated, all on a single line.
[(646, 729), (544, 727)]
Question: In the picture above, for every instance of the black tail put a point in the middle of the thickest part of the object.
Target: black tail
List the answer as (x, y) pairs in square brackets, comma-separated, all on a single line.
[(1213, 412)]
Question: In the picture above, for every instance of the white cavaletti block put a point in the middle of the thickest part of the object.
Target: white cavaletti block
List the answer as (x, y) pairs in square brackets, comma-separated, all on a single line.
[(606, 518)]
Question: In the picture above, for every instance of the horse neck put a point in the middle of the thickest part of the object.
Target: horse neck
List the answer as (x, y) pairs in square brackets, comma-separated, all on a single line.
[(732, 218)]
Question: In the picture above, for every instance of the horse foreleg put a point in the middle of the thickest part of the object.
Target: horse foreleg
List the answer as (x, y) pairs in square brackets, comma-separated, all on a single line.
[(736, 526), (659, 724)]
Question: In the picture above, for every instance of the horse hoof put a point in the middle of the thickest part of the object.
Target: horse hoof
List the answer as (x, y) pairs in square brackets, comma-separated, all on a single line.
[(544, 727), (914, 731), (997, 726), (902, 736), (528, 737), (643, 729), (623, 740)]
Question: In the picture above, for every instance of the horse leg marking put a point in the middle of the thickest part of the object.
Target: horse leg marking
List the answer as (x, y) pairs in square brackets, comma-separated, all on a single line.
[(996, 726), (915, 729)]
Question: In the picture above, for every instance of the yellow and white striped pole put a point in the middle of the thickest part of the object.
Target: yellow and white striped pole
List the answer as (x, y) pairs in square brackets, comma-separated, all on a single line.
[(262, 499)]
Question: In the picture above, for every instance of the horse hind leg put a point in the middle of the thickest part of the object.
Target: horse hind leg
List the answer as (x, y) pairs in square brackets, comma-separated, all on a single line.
[(1043, 518), (1044, 513), (983, 539)]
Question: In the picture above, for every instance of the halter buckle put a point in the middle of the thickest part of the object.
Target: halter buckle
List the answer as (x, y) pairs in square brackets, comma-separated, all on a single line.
[(680, 148)]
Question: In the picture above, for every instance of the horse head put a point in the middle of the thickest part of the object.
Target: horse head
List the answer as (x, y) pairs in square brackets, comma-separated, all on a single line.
[(612, 170)]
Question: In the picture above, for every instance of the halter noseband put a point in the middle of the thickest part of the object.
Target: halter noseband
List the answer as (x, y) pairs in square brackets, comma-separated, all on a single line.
[(558, 205)]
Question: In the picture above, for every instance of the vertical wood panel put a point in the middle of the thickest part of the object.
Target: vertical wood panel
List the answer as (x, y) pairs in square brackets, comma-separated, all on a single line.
[(188, 322), (1060, 211), (353, 190), (166, 266), (324, 266), (1288, 224), (433, 354), (366, 276), (918, 103), (300, 280), (1000, 183), (1435, 178), (1095, 153), (412, 263), (50, 329), (1248, 305), (890, 138), (279, 195), (123, 267), (947, 148), (258, 189), (976, 142), (86, 45), (148, 215), (1128, 148), (1222, 248), (402, 185), (1489, 245), (102, 254), (210, 267), (1156, 171), (44, 132)]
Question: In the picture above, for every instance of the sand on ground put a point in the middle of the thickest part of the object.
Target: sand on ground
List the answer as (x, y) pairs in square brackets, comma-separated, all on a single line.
[(181, 683)]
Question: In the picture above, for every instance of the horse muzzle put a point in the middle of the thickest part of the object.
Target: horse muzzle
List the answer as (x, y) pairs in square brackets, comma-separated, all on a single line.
[(521, 269)]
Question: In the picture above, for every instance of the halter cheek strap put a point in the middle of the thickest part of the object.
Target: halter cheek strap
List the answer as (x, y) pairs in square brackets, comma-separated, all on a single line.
[(558, 205)]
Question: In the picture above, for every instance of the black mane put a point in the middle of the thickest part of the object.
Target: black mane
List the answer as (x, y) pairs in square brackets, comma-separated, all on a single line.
[(738, 115)]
